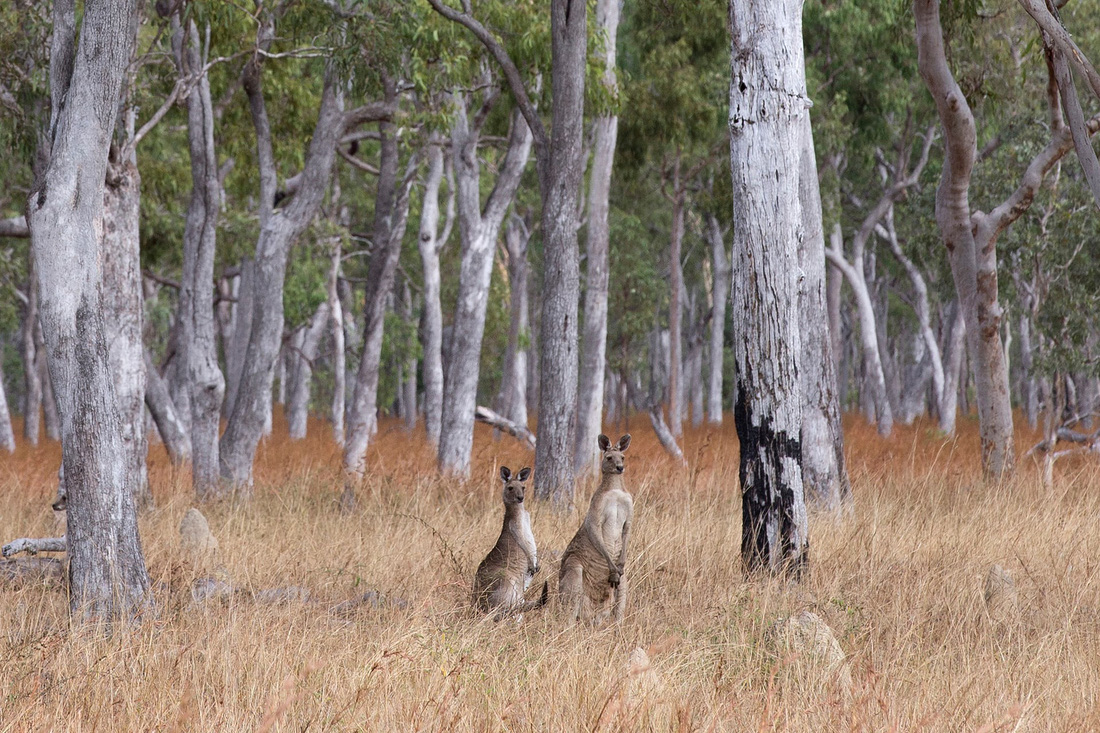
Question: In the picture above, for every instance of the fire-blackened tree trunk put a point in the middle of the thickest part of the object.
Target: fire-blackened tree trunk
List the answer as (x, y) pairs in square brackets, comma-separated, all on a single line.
[(196, 343), (767, 104), (721, 295), (123, 305), (279, 228), (594, 348), (824, 477), (479, 228), (107, 576)]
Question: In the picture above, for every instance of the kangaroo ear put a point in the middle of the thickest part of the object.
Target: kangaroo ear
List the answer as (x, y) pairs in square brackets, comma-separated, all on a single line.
[(524, 473), (604, 442), (505, 473), (624, 442)]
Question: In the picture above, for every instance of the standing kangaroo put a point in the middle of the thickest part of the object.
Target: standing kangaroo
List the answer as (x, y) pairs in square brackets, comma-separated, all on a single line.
[(593, 563), (506, 571)]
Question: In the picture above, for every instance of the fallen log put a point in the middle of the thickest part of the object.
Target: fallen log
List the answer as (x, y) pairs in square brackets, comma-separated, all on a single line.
[(498, 421), (33, 546)]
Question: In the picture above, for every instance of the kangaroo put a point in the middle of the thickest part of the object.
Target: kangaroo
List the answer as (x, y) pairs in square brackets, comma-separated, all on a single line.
[(507, 570), (593, 563)]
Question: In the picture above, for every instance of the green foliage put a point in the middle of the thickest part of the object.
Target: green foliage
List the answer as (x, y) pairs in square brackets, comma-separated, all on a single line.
[(399, 345)]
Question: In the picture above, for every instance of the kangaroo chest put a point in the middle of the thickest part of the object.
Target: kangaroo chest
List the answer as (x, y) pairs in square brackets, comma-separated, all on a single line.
[(613, 510)]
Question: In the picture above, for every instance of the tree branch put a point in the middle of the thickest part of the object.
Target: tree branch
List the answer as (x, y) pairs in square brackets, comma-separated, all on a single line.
[(498, 421), (511, 73)]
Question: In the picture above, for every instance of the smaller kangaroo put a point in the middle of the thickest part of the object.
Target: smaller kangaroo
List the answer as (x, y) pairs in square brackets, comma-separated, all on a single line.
[(593, 563), (507, 570)]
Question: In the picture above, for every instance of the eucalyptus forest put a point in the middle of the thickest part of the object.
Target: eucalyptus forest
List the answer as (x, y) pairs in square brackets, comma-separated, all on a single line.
[(289, 287)]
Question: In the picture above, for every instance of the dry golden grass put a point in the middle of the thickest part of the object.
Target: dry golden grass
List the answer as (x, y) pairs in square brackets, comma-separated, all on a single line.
[(900, 582)]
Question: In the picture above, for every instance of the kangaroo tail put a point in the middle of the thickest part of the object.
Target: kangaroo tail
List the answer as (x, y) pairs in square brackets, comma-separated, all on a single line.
[(529, 605)]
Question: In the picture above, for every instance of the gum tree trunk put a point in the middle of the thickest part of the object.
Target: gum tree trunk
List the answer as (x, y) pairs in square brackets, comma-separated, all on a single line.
[(171, 430), (300, 377), (123, 312), (767, 104), (391, 209), (339, 356), (196, 344), (721, 265), (824, 477), (430, 243), (32, 400), (7, 436), (513, 391), (479, 229), (108, 581), (279, 229), (594, 347)]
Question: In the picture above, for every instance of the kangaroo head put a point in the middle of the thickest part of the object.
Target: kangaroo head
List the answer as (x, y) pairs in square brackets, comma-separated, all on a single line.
[(612, 461), (513, 485)]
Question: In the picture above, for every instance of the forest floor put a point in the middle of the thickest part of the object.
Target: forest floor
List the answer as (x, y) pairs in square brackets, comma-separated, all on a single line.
[(900, 581)]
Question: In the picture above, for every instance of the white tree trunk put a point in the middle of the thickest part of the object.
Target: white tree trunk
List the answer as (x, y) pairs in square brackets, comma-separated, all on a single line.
[(430, 243), (721, 265), (107, 577), (479, 229), (339, 355), (7, 436), (513, 402), (32, 390), (767, 104), (301, 376), (955, 349), (594, 346), (824, 477), (676, 310)]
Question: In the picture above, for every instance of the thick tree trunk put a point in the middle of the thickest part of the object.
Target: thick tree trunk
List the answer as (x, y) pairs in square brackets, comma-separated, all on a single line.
[(301, 376), (513, 390), (196, 345), (107, 577), (560, 172), (594, 345), (721, 265), (32, 390), (824, 477), (176, 440), (123, 315), (431, 327), (767, 104), (279, 229)]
